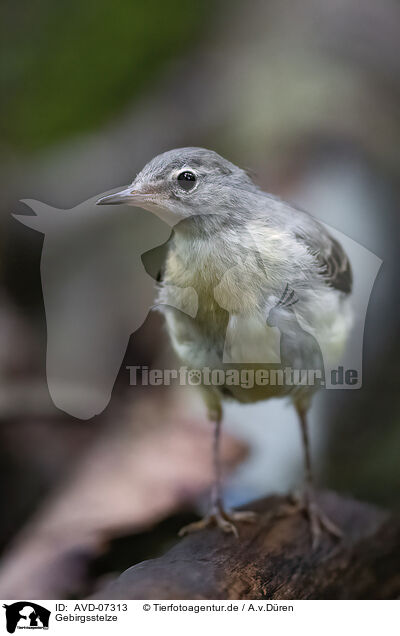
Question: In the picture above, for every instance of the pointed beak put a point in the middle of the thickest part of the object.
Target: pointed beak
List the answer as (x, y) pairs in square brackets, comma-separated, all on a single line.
[(128, 196)]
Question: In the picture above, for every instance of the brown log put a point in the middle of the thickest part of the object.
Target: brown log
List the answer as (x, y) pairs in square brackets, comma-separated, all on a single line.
[(273, 559)]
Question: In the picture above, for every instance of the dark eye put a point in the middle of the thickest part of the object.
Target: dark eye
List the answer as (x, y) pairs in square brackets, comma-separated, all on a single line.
[(186, 180)]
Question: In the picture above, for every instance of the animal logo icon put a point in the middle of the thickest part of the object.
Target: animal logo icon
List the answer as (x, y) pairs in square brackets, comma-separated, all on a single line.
[(95, 299), (91, 300), (26, 615)]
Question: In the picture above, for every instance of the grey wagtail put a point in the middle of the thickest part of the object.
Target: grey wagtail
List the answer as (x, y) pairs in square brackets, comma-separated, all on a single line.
[(255, 263)]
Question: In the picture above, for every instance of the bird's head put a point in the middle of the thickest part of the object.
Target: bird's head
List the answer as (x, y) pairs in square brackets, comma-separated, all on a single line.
[(185, 182)]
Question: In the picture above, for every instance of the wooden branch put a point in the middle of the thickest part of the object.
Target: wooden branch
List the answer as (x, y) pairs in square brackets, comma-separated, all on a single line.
[(274, 560)]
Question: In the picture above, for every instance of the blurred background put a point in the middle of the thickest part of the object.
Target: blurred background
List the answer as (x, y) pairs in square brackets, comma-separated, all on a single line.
[(306, 95)]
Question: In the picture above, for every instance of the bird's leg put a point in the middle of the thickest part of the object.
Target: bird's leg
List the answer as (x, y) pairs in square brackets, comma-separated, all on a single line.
[(319, 522), (216, 489), (217, 514)]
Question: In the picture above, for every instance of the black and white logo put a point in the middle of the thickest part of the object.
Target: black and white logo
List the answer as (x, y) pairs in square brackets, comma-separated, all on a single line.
[(26, 615)]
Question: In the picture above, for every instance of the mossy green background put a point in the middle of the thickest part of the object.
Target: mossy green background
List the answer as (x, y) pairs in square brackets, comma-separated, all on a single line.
[(67, 66)]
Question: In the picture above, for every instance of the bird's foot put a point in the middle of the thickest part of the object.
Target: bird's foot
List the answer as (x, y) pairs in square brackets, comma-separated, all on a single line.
[(224, 520), (319, 522)]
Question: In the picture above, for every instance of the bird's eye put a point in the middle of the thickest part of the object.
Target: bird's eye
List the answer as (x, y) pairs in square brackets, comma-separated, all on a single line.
[(186, 180)]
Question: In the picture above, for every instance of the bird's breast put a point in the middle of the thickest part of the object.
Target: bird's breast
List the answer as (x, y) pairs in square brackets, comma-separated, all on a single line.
[(228, 324)]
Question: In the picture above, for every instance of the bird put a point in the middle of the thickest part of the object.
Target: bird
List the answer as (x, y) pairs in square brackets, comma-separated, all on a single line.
[(256, 263)]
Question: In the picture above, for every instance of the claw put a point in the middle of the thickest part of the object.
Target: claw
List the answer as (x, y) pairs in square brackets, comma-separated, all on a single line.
[(223, 520), (246, 516), (319, 522)]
